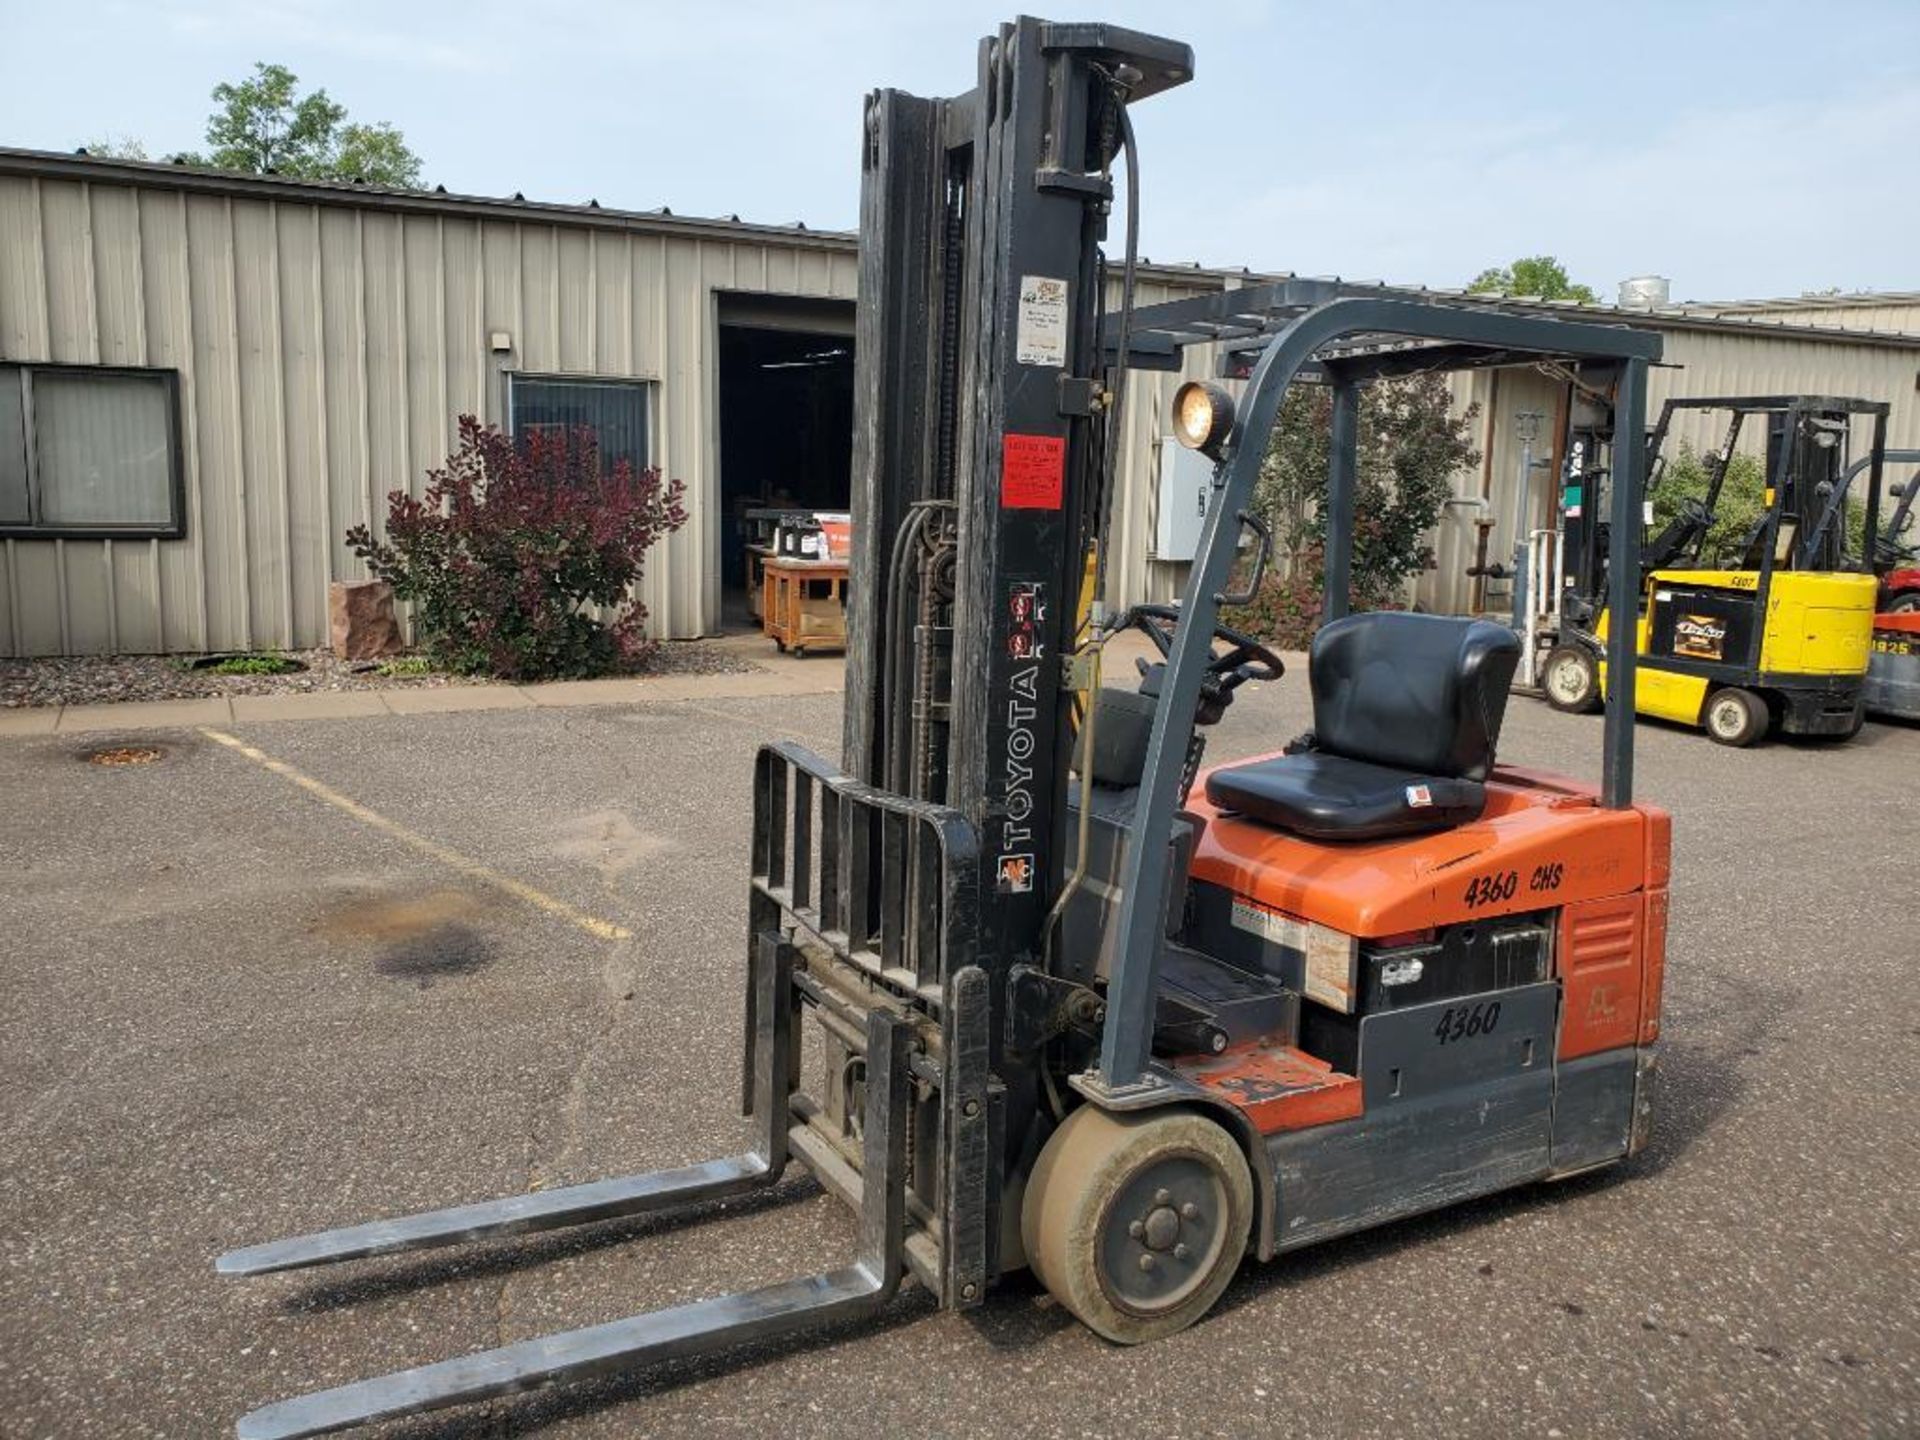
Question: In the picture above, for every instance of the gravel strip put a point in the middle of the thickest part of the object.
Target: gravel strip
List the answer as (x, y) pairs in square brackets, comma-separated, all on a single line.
[(101, 679)]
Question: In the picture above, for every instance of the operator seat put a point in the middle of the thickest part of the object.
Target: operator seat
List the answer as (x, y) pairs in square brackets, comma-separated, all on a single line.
[(1406, 714)]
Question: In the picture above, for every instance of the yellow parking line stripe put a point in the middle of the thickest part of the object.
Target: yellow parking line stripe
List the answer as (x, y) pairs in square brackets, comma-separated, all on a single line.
[(453, 859)]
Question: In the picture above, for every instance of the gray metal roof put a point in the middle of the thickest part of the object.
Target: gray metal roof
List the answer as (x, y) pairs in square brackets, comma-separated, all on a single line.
[(170, 176), (1840, 300), (167, 175)]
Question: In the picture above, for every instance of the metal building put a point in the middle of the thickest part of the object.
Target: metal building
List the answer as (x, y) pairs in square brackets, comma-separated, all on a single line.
[(1887, 311), (1704, 355), (1804, 348), (206, 378)]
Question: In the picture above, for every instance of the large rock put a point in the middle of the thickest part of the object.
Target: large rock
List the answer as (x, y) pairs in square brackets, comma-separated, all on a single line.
[(360, 619)]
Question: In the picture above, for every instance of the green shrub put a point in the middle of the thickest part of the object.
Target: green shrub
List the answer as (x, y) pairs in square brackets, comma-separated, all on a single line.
[(1740, 507), (253, 665), (404, 665), (1409, 445)]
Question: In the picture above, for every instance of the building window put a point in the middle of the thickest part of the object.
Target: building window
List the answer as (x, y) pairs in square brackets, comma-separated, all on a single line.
[(90, 450), (616, 411)]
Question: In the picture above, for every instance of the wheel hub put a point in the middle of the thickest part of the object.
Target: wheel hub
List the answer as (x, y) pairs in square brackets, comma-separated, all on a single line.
[(1163, 1234), (1162, 1228)]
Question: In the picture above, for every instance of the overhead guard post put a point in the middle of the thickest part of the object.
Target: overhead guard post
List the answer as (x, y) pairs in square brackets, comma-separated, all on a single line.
[(1342, 447), (1623, 584)]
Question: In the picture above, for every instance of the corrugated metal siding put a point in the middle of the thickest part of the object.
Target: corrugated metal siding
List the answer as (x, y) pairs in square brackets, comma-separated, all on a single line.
[(1133, 575), (325, 351), (1698, 363), (1897, 315), (1487, 491)]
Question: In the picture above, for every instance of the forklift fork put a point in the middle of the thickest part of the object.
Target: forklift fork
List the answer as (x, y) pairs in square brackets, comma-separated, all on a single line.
[(682, 1330)]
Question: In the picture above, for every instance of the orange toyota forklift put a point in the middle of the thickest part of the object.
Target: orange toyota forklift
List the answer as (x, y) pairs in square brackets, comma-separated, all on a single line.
[(1067, 998)]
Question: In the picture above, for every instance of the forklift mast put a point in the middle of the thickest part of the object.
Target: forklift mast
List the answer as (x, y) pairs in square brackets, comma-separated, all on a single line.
[(1808, 477), (978, 455)]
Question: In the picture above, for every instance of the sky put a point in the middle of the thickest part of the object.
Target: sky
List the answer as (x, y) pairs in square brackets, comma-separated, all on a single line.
[(1740, 149)]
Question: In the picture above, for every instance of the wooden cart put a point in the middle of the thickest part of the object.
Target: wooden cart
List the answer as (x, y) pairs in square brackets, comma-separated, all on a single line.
[(803, 604)]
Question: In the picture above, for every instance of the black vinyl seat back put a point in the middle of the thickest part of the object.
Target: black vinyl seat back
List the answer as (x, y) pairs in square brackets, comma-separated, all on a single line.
[(1423, 693), (1406, 714)]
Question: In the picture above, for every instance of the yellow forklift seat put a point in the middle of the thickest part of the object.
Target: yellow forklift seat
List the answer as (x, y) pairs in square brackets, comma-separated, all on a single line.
[(1406, 716)]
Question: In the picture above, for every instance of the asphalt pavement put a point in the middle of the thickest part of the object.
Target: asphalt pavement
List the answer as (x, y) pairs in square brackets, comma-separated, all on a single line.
[(348, 967)]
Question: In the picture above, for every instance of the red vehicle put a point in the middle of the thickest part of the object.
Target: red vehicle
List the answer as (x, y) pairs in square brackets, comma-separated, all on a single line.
[(1896, 562)]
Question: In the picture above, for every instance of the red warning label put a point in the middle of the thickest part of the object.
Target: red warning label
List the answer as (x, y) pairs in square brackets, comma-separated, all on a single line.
[(1033, 471)]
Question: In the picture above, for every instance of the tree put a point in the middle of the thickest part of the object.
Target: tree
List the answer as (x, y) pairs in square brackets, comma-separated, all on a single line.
[(264, 126), (116, 147), (1535, 276), (1741, 506), (1409, 446)]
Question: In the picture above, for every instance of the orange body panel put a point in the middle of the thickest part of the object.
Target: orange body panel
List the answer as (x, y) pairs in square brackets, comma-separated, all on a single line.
[(1279, 1087), (1654, 971), (1659, 847), (1547, 833), (1543, 843), (1599, 957)]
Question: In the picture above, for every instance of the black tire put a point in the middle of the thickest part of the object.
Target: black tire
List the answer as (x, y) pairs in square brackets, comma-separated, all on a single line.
[(1735, 717), (1904, 603), (1136, 1222), (1570, 679)]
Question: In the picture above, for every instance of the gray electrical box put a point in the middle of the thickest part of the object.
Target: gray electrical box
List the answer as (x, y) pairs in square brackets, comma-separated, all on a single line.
[(1185, 488)]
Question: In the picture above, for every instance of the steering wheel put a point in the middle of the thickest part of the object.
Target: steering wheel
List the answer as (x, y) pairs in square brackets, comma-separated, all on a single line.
[(1245, 658)]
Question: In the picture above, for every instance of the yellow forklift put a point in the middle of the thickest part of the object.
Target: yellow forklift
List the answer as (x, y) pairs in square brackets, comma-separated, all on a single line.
[(1776, 641), (1027, 986)]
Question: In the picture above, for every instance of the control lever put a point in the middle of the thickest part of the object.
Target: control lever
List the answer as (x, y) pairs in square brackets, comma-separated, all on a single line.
[(1250, 521)]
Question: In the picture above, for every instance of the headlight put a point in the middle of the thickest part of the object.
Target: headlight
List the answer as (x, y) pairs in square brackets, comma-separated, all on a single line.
[(1202, 416)]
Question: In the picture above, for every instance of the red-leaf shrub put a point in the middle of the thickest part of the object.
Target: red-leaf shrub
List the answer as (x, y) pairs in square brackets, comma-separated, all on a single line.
[(513, 547), (1286, 609)]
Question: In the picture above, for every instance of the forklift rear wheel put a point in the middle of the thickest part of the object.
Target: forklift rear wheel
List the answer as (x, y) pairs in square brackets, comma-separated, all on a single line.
[(1571, 680), (1136, 1222), (1736, 717)]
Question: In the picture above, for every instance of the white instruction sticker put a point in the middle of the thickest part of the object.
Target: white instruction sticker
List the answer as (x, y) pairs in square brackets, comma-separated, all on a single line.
[(1270, 925), (1041, 337), (1331, 958)]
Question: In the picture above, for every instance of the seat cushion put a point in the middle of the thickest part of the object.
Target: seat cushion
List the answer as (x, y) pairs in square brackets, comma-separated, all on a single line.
[(1424, 693), (1329, 797)]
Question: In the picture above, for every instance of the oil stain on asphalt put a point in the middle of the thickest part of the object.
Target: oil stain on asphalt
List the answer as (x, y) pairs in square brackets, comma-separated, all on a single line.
[(420, 936)]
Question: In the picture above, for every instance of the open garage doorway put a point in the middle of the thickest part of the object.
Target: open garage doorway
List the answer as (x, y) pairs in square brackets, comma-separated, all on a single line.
[(786, 421)]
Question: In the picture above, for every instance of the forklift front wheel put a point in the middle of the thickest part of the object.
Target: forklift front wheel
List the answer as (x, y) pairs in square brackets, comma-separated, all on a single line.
[(1571, 679), (1136, 1222), (1736, 717)]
